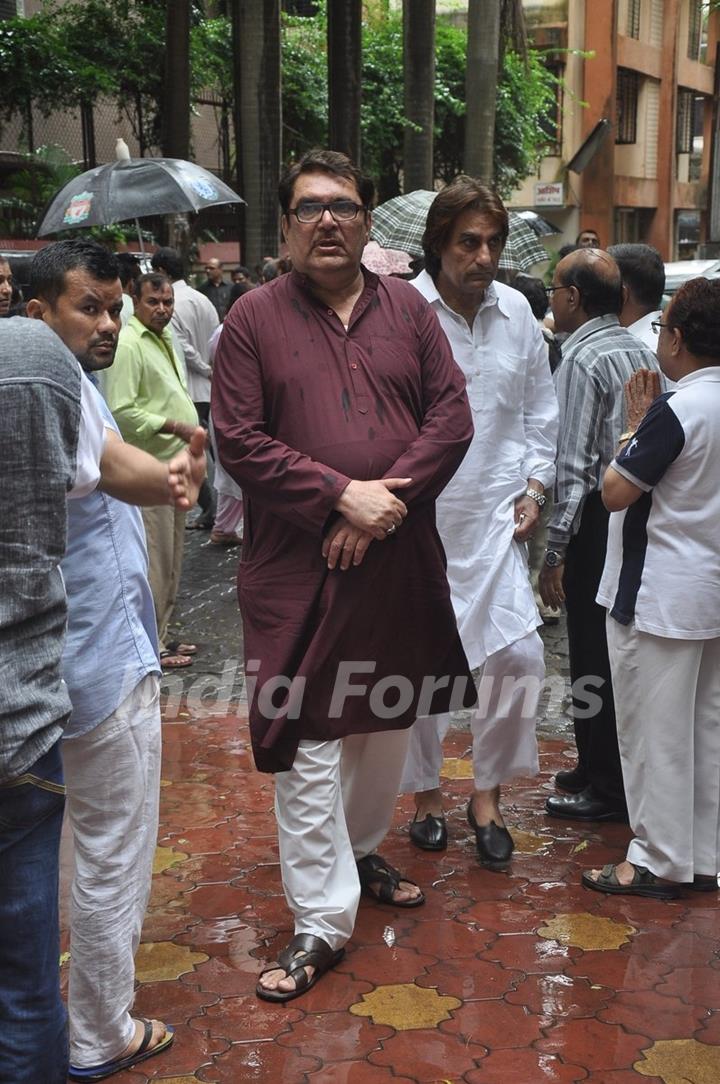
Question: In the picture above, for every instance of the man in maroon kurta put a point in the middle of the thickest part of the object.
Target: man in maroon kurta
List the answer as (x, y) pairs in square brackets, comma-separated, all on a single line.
[(340, 411)]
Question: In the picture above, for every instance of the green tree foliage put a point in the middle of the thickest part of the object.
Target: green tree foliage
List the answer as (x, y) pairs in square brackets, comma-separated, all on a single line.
[(76, 52), (526, 94)]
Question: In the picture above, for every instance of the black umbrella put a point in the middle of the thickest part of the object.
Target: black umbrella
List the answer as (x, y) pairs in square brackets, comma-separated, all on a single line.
[(134, 188)]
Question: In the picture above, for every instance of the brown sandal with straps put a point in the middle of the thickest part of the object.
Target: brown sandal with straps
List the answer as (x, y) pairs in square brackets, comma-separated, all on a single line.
[(303, 951), (375, 871)]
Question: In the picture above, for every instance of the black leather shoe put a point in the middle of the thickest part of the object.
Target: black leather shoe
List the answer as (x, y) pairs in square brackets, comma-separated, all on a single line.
[(583, 807), (494, 843), (572, 781), (429, 834)]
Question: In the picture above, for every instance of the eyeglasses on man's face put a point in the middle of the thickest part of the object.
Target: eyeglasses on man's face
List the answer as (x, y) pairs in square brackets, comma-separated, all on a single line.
[(342, 210), (550, 290), (657, 324)]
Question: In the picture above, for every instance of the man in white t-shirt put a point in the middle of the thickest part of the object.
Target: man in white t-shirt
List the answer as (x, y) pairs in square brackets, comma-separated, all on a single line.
[(661, 587)]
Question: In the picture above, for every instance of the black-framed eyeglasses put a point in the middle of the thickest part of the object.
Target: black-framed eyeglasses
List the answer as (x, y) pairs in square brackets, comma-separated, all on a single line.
[(657, 324), (550, 290), (342, 210)]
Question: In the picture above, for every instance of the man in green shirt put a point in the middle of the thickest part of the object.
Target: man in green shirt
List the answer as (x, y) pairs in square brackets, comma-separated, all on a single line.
[(147, 394)]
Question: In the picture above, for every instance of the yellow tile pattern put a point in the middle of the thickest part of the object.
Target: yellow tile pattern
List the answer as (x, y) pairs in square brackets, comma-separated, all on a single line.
[(166, 857), (586, 931), (160, 961), (454, 768), (405, 1006), (528, 842), (681, 1061)]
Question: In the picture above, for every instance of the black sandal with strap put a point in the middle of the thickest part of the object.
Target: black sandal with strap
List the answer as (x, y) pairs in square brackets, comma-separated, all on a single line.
[(303, 951), (374, 870)]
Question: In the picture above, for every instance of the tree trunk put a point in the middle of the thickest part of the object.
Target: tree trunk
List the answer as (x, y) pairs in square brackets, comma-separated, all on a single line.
[(419, 79), (176, 94), (481, 78), (344, 41), (256, 59)]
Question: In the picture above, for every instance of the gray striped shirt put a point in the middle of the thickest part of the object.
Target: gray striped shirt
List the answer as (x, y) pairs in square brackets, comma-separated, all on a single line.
[(597, 360)]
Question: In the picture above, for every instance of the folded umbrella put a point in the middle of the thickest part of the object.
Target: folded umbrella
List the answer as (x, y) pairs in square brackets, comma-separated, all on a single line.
[(399, 223)]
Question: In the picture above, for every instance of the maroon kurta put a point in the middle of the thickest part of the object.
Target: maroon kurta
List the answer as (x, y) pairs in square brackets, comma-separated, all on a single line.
[(301, 407)]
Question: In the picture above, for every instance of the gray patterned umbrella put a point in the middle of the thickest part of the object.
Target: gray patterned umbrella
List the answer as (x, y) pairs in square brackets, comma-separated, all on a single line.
[(133, 188), (400, 223)]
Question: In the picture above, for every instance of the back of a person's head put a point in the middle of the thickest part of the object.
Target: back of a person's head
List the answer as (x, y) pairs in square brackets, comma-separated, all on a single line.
[(51, 264), (643, 272), (534, 291), (597, 278), (130, 268), (695, 311), (168, 260)]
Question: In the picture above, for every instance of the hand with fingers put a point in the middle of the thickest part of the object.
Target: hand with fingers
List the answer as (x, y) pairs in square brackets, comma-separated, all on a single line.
[(641, 390), (372, 506), (345, 545)]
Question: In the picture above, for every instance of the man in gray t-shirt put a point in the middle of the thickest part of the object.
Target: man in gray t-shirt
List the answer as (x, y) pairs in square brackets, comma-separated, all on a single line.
[(47, 451)]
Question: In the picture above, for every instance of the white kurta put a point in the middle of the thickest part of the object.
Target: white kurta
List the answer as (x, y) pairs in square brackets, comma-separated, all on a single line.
[(504, 359), (194, 321)]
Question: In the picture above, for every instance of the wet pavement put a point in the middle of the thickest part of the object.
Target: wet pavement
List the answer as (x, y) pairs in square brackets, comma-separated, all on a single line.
[(521, 977)]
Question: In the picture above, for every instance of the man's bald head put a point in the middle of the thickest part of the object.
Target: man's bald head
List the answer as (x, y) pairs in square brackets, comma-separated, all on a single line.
[(590, 285)]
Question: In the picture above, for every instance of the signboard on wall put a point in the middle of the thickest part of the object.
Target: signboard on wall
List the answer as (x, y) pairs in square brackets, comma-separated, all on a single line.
[(549, 194)]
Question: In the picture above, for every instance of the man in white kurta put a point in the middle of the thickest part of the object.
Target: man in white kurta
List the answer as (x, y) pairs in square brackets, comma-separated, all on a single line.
[(488, 511)]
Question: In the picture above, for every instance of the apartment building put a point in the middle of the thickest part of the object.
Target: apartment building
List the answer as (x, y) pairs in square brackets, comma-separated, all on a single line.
[(637, 97)]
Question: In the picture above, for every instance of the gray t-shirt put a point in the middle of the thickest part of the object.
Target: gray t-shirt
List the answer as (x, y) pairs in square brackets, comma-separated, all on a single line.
[(40, 418)]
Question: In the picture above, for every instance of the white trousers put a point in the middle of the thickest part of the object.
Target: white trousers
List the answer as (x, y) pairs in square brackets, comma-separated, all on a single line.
[(112, 775), (334, 806), (502, 724), (667, 703)]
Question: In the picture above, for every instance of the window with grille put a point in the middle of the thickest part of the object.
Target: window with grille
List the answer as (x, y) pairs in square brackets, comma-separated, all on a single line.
[(633, 18), (684, 132), (694, 29), (626, 104)]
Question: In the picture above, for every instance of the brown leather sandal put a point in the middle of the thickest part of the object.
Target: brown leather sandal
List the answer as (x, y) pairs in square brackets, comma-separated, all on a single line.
[(303, 951), (375, 871)]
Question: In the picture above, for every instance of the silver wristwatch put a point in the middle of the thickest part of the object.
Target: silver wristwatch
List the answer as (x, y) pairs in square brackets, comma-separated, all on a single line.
[(537, 496)]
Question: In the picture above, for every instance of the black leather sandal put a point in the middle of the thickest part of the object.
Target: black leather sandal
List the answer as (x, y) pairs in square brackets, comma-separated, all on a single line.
[(375, 871), (303, 951)]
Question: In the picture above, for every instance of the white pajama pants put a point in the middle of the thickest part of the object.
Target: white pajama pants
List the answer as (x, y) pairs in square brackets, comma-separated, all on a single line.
[(667, 703), (502, 724), (112, 775), (334, 806)]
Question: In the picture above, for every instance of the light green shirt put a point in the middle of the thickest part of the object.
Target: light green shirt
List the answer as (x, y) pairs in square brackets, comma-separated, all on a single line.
[(145, 387)]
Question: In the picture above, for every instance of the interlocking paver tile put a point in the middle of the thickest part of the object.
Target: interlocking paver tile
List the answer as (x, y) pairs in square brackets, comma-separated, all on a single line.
[(559, 996), (493, 981), (427, 1056), (495, 1024), (331, 1036), (656, 1015), (470, 979), (526, 1066), (593, 1044)]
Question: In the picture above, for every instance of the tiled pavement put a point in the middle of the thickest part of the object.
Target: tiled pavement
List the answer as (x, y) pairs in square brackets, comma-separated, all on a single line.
[(517, 978)]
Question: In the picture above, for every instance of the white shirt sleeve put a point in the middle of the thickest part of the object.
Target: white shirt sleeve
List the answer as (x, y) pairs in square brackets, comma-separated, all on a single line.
[(91, 442)]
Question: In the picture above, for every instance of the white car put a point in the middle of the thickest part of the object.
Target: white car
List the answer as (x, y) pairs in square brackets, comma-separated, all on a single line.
[(679, 272)]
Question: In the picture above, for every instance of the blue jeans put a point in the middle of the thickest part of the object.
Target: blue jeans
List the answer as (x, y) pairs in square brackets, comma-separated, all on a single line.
[(33, 1028)]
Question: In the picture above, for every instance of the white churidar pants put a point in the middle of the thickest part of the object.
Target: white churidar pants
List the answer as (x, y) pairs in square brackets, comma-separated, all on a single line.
[(667, 703), (334, 806), (502, 724), (112, 775)]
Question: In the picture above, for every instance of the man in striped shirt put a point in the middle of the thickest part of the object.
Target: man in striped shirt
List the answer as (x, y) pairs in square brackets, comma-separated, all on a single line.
[(598, 357)]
